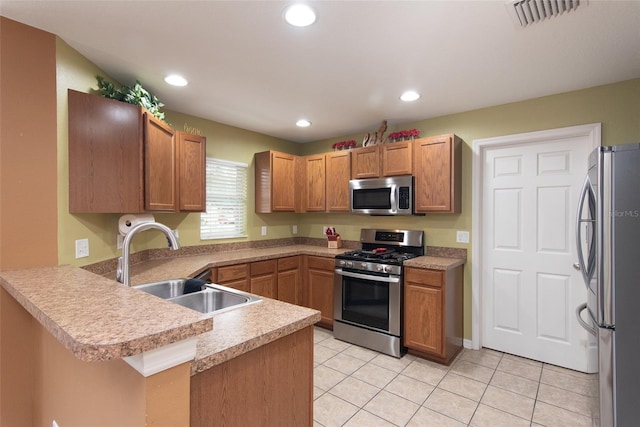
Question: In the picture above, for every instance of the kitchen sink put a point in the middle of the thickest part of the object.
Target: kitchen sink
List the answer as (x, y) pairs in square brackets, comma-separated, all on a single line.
[(165, 289), (211, 299), (214, 298)]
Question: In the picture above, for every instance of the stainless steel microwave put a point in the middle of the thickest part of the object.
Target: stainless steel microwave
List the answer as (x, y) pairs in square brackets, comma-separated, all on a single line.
[(382, 196)]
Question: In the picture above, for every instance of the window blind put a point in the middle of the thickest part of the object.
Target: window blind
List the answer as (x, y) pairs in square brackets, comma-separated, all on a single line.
[(226, 200)]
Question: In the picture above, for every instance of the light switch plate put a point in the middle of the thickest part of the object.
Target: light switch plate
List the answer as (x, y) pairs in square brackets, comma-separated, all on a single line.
[(264, 230), (82, 248), (294, 229), (462, 236)]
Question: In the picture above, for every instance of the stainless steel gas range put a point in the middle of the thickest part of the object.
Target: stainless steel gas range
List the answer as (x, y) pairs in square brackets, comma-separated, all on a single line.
[(369, 289)]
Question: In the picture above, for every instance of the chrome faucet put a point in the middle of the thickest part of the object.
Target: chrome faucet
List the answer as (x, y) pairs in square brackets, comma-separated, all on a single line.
[(122, 274)]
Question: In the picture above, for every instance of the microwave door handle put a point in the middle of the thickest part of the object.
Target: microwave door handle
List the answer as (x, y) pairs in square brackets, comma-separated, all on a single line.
[(391, 279), (579, 221)]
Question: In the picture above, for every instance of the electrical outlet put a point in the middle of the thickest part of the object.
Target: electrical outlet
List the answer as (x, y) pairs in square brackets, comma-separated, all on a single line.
[(264, 230), (294, 229), (82, 248), (324, 230), (176, 233), (462, 236), (119, 241)]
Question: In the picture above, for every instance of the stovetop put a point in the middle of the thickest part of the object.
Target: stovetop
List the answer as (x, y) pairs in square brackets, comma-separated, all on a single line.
[(379, 255), (383, 251)]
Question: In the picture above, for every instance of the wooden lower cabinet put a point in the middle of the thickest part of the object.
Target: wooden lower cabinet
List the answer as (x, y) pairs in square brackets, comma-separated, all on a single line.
[(233, 276), (319, 287), (433, 313), (269, 386), (264, 278), (289, 289)]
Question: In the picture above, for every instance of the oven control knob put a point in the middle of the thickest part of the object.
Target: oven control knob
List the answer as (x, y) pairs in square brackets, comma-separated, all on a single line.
[(383, 268), (363, 265), (349, 263)]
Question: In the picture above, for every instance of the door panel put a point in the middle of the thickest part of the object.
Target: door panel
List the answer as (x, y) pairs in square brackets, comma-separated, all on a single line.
[(530, 193)]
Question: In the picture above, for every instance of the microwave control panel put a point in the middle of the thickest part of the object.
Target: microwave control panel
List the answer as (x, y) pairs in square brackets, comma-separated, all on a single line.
[(404, 198)]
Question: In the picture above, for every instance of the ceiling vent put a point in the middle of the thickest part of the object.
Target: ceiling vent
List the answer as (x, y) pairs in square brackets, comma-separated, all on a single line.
[(525, 12)]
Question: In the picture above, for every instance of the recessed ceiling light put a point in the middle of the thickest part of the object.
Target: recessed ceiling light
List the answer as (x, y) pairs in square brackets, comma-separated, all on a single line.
[(300, 15), (303, 123), (410, 95), (176, 80)]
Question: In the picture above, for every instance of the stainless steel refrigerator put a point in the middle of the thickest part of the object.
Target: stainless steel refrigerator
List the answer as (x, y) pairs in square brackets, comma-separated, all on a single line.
[(608, 240)]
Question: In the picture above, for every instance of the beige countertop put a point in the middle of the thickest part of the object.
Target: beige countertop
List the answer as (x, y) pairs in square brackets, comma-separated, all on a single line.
[(434, 262), (97, 318), (189, 266)]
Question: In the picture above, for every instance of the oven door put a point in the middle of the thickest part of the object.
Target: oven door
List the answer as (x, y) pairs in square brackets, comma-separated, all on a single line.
[(369, 301)]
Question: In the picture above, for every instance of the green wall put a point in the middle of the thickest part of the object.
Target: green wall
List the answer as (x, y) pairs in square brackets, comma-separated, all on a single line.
[(616, 106), (224, 142)]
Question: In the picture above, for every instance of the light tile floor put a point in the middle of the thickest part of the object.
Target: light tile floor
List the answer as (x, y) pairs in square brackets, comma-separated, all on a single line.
[(354, 386)]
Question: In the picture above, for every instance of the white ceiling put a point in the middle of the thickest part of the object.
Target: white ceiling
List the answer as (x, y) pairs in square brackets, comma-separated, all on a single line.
[(248, 68)]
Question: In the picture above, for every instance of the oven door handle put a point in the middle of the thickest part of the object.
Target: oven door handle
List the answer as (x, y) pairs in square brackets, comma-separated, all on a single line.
[(391, 279)]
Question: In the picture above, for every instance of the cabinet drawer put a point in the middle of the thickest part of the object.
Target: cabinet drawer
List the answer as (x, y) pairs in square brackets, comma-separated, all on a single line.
[(288, 263), (263, 267), (320, 263), (232, 272), (424, 277)]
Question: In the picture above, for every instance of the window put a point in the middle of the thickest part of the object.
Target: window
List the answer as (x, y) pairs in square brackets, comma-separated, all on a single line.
[(226, 200)]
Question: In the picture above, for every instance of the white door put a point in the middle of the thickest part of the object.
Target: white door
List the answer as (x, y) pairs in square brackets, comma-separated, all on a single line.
[(530, 289)]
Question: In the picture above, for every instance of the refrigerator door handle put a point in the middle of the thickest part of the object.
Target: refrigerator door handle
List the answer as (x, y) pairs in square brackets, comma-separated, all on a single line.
[(579, 221), (591, 329)]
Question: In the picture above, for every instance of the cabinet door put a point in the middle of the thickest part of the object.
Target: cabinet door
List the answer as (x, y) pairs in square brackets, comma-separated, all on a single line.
[(315, 180), (423, 318), (365, 162), (191, 172), (288, 285), (320, 282), (160, 165), (283, 182), (397, 159), (105, 156), (337, 182), (234, 276), (438, 174), (265, 286), (264, 278)]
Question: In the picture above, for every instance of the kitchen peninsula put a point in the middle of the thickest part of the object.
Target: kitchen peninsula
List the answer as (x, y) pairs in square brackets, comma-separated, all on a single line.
[(261, 354)]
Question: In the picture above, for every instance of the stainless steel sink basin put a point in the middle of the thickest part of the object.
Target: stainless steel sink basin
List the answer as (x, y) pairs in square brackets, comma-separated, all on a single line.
[(165, 289), (212, 299)]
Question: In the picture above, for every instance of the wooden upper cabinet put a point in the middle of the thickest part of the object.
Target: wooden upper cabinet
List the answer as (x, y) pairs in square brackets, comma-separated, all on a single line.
[(106, 172), (338, 165), (315, 174), (160, 165), (438, 170), (365, 162), (397, 158), (124, 160), (192, 153), (391, 159), (275, 183)]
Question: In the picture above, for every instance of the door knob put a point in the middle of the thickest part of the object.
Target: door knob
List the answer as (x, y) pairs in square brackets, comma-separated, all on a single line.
[(576, 265)]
